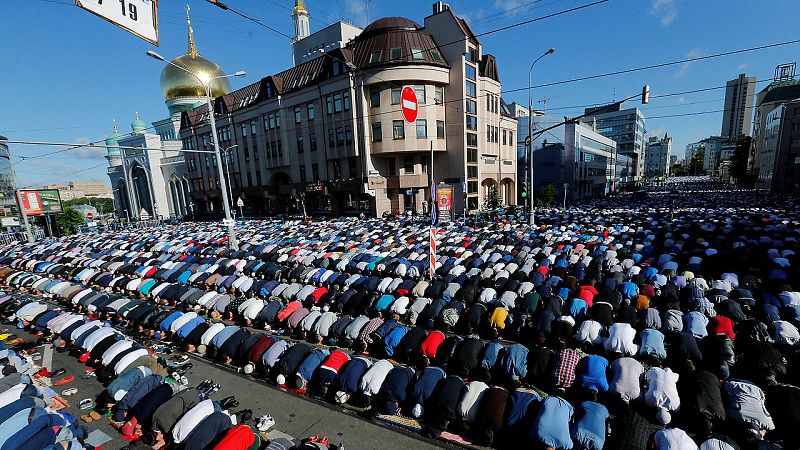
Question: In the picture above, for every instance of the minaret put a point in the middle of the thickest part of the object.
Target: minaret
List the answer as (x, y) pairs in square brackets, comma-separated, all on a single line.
[(301, 17), (192, 51)]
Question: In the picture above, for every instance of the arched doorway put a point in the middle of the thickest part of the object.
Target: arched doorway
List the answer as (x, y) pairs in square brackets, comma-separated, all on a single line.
[(508, 194), (141, 190)]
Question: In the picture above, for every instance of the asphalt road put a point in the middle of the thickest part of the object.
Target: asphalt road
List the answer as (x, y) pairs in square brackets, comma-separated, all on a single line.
[(295, 416)]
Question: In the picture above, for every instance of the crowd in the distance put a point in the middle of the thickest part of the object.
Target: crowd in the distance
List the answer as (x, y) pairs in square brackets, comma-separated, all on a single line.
[(607, 326)]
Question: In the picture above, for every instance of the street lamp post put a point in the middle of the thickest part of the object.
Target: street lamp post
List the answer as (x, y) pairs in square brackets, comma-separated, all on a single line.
[(223, 184), (228, 169), (531, 218)]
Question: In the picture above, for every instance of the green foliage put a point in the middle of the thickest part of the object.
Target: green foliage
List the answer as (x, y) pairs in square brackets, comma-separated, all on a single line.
[(546, 196), (696, 165), (69, 220), (104, 204), (739, 160), (492, 198)]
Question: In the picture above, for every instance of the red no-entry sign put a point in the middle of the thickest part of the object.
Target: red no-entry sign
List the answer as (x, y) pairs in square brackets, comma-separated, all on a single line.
[(409, 104), (89, 217)]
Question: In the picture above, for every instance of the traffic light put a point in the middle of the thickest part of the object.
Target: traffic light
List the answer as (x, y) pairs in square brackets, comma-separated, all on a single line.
[(524, 192)]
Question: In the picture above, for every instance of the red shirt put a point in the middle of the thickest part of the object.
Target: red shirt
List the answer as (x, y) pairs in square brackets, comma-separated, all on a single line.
[(335, 361), (240, 437), (431, 343)]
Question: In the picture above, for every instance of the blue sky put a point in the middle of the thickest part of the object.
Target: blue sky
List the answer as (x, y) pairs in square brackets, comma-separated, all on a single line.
[(67, 74)]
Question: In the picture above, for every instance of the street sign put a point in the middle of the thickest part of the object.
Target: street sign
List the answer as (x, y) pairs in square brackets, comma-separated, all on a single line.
[(139, 17), (89, 217), (409, 104), (227, 222), (240, 202), (144, 215)]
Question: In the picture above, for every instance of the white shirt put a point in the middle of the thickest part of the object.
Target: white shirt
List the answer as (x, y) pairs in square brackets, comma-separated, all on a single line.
[(128, 359), (115, 349), (662, 389), (471, 400), (620, 339), (190, 419), (589, 332), (97, 336), (11, 395), (182, 320), (372, 380), (673, 439), (211, 332), (626, 378)]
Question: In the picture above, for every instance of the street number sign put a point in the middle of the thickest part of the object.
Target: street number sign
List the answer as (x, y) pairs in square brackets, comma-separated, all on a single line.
[(139, 17)]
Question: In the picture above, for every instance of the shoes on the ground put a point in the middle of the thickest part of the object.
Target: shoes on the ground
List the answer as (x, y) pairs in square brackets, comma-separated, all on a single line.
[(57, 373), (265, 423), (69, 391), (180, 360), (244, 416), (228, 403), (63, 381)]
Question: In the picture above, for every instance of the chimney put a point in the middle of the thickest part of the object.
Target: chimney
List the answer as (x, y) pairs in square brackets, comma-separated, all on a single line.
[(438, 7)]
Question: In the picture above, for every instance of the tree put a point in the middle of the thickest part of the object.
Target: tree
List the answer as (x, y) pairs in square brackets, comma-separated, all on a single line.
[(492, 198), (739, 159), (546, 196), (69, 220), (104, 204), (696, 165)]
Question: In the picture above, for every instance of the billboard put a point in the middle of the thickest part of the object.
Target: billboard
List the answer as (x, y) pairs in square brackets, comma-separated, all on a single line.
[(444, 200), (139, 17), (39, 202)]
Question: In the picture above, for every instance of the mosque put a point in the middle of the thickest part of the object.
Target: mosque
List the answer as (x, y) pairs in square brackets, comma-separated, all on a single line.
[(150, 181)]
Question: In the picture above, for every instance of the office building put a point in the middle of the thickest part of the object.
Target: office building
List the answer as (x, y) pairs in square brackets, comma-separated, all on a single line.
[(779, 168), (626, 127), (8, 203), (657, 157), (577, 160), (328, 134), (783, 88), (737, 117)]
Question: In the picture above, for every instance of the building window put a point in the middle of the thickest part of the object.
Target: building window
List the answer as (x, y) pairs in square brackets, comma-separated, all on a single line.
[(419, 89), (280, 147), (472, 155), (244, 130), (331, 137), (438, 95), (488, 133), (395, 54), (398, 132), (510, 137), (312, 142), (471, 106), (302, 173), (337, 102), (392, 168), (329, 104), (472, 171), (472, 90), (408, 164), (375, 96), (422, 129), (440, 129), (375, 57), (348, 134), (488, 101), (310, 111), (298, 115), (472, 54), (300, 148), (470, 72), (352, 164), (472, 122), (472, 139), (346, 96), (339, 135), (435, 55), (396, 94), (315, 172), (377, 135), (253, 127), (472, 187), (277, 119), (504, 137), (337, 169)]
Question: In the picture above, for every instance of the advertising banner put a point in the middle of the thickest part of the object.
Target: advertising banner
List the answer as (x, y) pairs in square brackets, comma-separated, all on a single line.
[(42, 201), (444, 196)]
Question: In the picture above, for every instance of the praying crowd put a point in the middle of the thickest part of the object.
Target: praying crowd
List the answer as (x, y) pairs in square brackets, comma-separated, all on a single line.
[(618, 324)]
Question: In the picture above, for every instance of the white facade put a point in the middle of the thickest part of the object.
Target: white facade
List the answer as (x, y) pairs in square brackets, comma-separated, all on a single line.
[(657, 157)]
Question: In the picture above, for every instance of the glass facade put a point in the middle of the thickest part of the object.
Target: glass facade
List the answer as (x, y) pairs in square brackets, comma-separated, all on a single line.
[(8, 204)]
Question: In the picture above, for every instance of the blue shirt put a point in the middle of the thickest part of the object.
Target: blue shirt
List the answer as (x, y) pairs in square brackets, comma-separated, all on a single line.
[(167, 322)]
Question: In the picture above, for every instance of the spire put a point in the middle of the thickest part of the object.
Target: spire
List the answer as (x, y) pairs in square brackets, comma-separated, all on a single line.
[(192, 51), (300, 5), (114, 121)]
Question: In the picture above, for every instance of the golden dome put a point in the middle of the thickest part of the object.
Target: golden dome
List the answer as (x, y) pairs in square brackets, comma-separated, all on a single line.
[(176, 83)]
